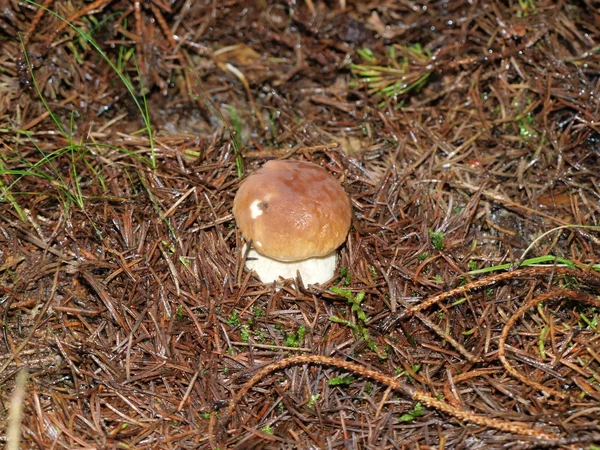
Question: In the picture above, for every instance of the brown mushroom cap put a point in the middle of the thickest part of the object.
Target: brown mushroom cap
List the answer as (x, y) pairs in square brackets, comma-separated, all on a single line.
[(292, 210)]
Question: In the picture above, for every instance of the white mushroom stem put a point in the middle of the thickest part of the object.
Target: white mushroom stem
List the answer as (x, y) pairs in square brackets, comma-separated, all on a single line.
[(312, 270)]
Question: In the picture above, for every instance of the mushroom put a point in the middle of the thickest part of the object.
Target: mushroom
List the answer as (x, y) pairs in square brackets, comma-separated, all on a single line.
[(295, 215)]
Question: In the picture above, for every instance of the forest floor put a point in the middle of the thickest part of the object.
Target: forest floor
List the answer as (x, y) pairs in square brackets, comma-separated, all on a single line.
[(466, 311)]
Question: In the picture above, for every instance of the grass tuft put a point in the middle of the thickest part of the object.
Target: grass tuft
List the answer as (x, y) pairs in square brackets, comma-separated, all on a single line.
[(405, 69)]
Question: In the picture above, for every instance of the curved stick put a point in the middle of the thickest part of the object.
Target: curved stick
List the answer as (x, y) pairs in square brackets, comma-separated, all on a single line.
[(415, 394)]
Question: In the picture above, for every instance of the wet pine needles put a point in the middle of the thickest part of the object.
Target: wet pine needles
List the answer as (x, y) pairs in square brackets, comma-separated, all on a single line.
[(467, 137), (593, 278)]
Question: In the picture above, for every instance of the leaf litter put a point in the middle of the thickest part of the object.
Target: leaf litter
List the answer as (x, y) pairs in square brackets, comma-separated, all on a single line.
[(464, 133)]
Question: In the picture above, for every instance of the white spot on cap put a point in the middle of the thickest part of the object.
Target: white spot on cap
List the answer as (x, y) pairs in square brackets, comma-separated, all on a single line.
[(255, 210), (258, 244)]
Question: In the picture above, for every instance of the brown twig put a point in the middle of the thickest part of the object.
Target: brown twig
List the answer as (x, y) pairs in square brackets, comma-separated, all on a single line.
[(415, 394), (494, 279)]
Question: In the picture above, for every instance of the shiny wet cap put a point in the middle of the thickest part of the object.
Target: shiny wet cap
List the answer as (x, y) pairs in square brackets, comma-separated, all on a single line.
[(292, 210)]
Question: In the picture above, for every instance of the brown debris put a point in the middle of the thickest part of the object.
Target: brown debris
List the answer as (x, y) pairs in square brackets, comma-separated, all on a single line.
[(465, 134)]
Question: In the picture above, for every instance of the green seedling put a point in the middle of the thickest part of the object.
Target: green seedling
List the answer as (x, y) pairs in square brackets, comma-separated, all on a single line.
[(313, 400), (344, 278), (180, 314), (423, 256), (245, 333), (341, 381), (273, 128), (460, 301), (357, 327), (526, 8), (268, 429), (295, 339), (354, 299), (525, 125), (373, 271), (437, 239), (185, 260), (234, 319), (412, 415)]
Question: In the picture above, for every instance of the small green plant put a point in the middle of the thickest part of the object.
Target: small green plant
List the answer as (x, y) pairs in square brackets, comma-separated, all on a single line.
[(245, 333), (525, 125), (542, 341), (341, 381), (359, 327), (260, 336), (373, 271), (354, 299), (273, 128), (423, 256), (180, 312), (591, 323), (406, 68), (344, 278), (437, 239), (267, 429), (526, 8), (417, 411), (185, 260), (313, 400), (400, 371), (169, 247), (460, 301), (295, 339), (234, 319), (570, 282), (236, 124)]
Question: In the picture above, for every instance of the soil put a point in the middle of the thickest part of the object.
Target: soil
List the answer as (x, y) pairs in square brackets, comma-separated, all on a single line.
[(466, 311)]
